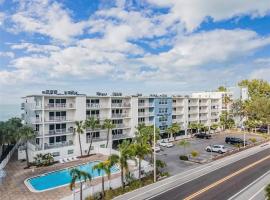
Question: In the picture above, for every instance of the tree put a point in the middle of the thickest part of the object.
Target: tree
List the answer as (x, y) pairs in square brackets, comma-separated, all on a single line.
[(140, 151), (160, 165), (27, 133), (93, 124), (184, 143), (101, 168), (214, 127), (259, 109), (256, 88), (267, 191), (109, 126), (193, 126), (226, 121), (78, 175), (146, 133), (125, 153), (79, 130), (173, 129), (194, 154), (222, 89)]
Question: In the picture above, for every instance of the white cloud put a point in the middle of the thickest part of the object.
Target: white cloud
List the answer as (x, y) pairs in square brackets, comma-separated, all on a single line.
[(193, 12), (7, 54), (262, 73), (47, 18), (2, 18)]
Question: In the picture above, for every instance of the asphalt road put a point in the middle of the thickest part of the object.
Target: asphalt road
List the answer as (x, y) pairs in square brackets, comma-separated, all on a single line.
[(213, 186)]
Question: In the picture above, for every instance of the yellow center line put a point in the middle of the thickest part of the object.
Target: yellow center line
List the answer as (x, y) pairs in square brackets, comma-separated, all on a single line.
[(225, 179)]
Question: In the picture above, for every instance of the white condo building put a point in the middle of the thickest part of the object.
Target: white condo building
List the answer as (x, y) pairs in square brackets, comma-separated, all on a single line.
[(52, 115)]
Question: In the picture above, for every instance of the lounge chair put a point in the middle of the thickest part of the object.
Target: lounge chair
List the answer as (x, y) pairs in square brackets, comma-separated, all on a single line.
[(70, 158), (75, 158), (61, 161), (66, 160)]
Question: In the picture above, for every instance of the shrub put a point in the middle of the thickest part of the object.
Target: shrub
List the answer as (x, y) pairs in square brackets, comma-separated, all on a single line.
[(194, 153), (253, 140), (183, 157), (267, 190)]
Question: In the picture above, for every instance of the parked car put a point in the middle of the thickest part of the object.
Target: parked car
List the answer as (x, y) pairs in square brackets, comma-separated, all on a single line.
[(157, 149), (203, 135), (164, 143), (263, 129), (216, 148), (234, 140)]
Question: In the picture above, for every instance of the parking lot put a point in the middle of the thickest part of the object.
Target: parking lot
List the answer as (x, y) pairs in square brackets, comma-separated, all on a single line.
[(171, 155)]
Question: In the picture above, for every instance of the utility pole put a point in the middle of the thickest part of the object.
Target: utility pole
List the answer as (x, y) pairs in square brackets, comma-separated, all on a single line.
[(155, 178)]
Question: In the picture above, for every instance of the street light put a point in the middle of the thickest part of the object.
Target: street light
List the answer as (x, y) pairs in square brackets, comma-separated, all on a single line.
[(155, 175)]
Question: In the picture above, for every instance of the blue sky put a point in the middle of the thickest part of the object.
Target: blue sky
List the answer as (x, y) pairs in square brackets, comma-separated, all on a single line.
[(146, 46)]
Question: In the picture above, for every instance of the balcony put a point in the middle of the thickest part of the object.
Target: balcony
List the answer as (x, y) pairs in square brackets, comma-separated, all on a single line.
[(204, 111), (121, 105), (203, 118), (178, 104), (193, 111), (59, 106), (119, 116), (57, 119), (93, 105), (60, 131), (37, 120), (214, 110), (121, 126), (178, 112), (193, 119), (95, 116), (145, 105), (203, 103), (58, 145), (120, 136)]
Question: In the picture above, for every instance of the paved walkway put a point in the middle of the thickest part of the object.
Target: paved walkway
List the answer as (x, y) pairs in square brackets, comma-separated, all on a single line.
[(13, 187)]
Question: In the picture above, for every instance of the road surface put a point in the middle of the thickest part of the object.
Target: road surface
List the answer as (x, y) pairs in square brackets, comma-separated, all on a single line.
[(222, 183)]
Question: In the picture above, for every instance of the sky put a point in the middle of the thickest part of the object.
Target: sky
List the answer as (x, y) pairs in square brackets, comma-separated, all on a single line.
[(132, 46)]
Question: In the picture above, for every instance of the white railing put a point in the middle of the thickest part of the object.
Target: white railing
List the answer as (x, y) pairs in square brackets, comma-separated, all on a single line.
[(120, 105), (119, 115), (5, 161), (93, 105), (59, 105), (57, 118)]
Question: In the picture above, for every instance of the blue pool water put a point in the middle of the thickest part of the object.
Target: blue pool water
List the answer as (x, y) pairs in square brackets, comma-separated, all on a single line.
[(62, 177)]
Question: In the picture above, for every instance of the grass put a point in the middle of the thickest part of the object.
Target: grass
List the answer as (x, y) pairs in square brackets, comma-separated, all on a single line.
[(110, 194)]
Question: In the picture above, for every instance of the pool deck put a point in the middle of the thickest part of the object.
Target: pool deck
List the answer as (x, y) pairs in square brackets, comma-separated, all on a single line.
[(13, 187)]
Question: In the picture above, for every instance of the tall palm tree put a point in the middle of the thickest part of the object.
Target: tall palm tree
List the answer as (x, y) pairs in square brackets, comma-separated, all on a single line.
[(93, 124), (141, 150), (112, 160), (109, 126), (78, 175), (184, 143), (125, 153), (27, 133), (79, 130), (103, 167)]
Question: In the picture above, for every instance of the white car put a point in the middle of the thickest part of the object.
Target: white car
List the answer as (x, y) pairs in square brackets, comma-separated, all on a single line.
[(157, 149), (164, 143), (216, 148)]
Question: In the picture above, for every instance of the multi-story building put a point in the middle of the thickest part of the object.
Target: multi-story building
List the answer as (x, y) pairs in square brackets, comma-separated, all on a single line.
[(53, 116)]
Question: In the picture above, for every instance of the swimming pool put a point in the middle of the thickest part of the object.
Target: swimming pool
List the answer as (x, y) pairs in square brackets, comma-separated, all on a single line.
[(62, 177)]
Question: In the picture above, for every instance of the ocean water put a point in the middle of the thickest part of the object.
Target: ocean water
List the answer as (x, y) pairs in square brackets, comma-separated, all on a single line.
[(10, 110)]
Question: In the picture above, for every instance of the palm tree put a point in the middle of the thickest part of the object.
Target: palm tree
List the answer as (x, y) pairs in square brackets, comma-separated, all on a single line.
[(27, 133), (101, 168), (214, 127), (109, 126), (193, 126), (93, 124), (141, 150), (78, 175), (173, 129), (184, 143), (79, 130), (125, 153)]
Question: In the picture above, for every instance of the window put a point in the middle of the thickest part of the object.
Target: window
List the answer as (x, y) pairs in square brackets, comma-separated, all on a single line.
[(95, 101), (174, 116), (94, 112), (51, 101), (163, 101), (37, 140), (141, 120), (174, 100), (102, 146), (117, 131), (163, 110), (51, 140), (87, 101), (95, 135), (174, 109), (163, 118), (55, 154), (116, 100), (117, 121), (141, 110), (141, 101), (70, 151)]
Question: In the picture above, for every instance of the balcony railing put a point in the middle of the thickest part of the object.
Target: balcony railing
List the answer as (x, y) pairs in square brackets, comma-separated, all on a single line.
[(214, 110), (203, 118), (178, 113), (193, 111), (120, 136), (60, 131), (119, 115), (203, 111), (93, 105), (146, 104), (121, 126), (120, 105), (96, 116), (193, 104), (59, 105), (193, 118), (58, 145), (37, 120), (57, 119), (178, 104)]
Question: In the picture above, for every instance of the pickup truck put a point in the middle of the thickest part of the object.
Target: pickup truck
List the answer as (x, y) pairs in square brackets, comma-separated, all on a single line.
[(202, 135)]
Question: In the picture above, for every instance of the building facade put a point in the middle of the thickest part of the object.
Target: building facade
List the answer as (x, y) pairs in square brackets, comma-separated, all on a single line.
[(52, 115)]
